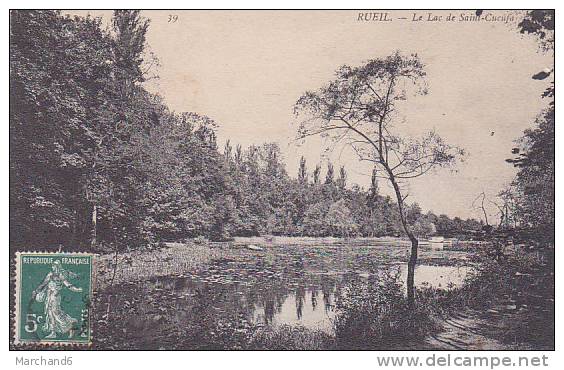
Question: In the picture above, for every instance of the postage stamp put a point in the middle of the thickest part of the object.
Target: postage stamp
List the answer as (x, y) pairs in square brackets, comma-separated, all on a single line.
[(53, 298)]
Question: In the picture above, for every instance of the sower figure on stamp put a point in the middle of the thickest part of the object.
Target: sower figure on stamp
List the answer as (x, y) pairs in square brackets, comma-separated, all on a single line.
[(57, 321)]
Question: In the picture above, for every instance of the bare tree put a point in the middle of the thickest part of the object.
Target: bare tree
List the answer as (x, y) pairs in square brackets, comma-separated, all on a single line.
[(504, 202), (506, 205), (478, 204), (359, 109)]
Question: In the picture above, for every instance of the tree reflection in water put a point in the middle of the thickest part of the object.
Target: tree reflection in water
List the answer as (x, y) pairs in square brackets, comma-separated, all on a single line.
[(228, 294)]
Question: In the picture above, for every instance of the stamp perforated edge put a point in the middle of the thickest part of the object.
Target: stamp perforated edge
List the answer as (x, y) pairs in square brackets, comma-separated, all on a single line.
[(18, 343)]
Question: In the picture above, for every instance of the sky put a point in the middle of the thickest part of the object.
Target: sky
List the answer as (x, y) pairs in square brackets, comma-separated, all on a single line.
[(246, 69)]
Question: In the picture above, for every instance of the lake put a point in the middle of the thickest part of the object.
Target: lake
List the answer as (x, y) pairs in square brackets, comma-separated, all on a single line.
[(293, 285)]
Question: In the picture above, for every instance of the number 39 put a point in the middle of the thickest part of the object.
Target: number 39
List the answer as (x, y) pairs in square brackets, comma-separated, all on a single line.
[(31, 322), (172, 18)]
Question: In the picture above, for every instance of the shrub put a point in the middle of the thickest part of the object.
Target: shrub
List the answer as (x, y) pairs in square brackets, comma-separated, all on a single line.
[(376, 315), (511, 275)]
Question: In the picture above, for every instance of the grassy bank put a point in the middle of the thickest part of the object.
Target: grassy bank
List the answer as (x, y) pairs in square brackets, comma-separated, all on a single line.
[(514, 291)]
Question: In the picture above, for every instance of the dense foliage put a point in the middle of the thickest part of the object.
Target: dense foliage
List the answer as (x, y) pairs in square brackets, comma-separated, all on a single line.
[(531, 196), (97, 159)]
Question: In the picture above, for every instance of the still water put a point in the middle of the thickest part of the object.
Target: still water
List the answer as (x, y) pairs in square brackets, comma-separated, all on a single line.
[(314, 307), (292, 287)]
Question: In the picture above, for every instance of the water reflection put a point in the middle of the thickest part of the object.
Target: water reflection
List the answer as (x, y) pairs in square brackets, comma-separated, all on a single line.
[(297, 298), (293, 286)]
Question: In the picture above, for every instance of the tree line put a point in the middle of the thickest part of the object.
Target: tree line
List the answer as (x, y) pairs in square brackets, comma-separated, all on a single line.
[(97, 159)]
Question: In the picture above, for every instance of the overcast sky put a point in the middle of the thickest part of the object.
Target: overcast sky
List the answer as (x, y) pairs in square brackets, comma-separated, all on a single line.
[(246, 69)]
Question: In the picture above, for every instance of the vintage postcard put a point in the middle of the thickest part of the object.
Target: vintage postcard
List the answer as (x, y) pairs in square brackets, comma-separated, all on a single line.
[(282, 179)]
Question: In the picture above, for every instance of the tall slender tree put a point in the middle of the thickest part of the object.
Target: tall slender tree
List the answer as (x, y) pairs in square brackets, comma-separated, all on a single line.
[(360, 109), (302, 172), (316, 174), (330, 175), (342, 180)]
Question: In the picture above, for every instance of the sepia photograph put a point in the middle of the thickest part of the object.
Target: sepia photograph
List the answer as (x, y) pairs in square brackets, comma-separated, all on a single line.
[(281, 180)]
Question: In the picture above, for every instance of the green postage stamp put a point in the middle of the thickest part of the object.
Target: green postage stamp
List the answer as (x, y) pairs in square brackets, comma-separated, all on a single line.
[(53, 298)]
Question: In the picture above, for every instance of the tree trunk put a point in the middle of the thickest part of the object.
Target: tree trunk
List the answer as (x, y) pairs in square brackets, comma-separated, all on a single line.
[(411, 271), (94, 231), (414, 242)]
